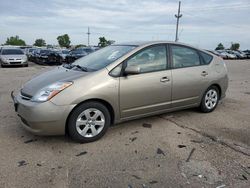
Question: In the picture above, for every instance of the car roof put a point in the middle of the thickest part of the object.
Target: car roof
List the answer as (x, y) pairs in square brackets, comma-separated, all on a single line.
[(11, 48), (146, 43)]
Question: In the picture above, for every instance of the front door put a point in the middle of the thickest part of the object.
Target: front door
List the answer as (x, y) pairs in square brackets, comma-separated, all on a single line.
[(150, 90)]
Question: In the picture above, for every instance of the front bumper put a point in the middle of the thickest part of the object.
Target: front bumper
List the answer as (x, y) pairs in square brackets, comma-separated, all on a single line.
[(14, 63), (42, 118)]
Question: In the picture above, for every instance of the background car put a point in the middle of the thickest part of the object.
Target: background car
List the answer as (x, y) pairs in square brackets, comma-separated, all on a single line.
[(75, 54), (78, 53), (13, 56), (226, 55), (55, 57), (63, 53), (237, 54), (247, 52)]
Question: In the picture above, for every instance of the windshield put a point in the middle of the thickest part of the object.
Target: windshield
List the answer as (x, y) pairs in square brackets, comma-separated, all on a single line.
[(32, 49), (44, 51), (88, 50), (65, 52), (78, 51), (103, 57), (12, 52)]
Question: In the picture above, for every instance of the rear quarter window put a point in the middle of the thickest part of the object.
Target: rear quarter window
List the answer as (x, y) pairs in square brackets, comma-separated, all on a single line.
[(206, 58)]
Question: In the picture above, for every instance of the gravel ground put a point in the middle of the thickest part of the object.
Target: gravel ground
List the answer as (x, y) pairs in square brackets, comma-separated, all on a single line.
[(149, 152)]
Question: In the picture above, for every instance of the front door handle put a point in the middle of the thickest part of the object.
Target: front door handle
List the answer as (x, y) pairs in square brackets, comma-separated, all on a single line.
[(204, 73), (165, 79)]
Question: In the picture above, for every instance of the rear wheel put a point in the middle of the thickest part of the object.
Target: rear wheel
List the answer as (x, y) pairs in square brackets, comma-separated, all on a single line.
[(210, 99), (88, 122)]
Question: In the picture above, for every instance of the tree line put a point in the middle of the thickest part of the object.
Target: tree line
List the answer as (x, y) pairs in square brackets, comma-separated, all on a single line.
[(63, 41), (234, 46)]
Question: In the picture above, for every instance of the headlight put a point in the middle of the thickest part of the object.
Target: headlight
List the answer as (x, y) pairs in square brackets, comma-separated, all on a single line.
[(50, 91), (25, 59), (3, 59)]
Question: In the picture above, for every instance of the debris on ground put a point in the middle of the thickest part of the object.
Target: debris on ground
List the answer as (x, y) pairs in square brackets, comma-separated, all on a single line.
[(136, 177), (135, 132), (22, 163), (29, 141), (242, 177), (38, 164), (181, 146), (196, 141), (82, 153), (221, 186), (203, 171), (160, 152), (147, 125), (133, 139), (190, 155), (153, 182)]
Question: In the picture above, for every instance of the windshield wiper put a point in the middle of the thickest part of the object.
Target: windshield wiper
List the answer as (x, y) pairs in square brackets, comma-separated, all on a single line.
[(85, 69), (67, 66), (70, 66)]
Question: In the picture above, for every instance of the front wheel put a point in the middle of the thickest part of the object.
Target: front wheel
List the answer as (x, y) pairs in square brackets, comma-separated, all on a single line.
[(88, 122), (210, 99)]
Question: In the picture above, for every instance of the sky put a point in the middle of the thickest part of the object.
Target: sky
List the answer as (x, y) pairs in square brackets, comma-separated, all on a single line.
[(203, 23)]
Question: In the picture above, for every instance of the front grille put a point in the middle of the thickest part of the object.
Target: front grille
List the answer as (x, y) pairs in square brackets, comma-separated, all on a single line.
[(15, 62), (25, 96)]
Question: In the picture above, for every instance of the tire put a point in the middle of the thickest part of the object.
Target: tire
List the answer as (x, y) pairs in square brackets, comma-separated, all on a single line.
[(83, 127), (210, 99)]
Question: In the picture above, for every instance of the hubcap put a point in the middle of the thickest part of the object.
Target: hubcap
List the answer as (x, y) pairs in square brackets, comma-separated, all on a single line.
[(90, 122), (211, 99)]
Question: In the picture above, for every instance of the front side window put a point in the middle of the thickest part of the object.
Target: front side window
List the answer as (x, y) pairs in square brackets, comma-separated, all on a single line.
[(184, 57), (150, 60)]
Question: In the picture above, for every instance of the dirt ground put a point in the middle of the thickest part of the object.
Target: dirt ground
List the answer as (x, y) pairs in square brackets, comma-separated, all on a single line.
[(150, 152)]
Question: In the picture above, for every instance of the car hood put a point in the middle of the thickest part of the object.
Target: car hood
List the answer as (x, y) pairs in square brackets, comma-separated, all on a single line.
[(13, 56), (50, 77)]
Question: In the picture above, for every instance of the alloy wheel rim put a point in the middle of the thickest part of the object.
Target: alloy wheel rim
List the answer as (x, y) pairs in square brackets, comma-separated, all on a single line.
[(211, 99), (90, 122)]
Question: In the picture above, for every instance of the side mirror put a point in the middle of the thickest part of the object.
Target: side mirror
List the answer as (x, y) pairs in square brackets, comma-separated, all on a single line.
[(129, 70)]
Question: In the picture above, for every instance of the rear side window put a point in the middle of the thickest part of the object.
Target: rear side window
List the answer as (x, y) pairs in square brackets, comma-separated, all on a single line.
[(184, 57), (206, 58)]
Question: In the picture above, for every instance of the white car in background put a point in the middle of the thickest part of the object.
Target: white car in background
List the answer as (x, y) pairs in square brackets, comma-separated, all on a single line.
[(227, 55), (12, 57)]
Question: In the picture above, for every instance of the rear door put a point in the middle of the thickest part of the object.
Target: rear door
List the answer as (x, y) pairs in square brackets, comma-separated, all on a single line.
[(150, 90), (190, 76)]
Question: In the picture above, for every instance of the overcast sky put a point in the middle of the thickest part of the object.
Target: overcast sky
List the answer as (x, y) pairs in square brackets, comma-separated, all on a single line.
[(203, 24)]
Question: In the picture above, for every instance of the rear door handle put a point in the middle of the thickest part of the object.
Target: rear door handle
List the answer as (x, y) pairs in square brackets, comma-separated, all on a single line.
[(165, 79), (204, 73)]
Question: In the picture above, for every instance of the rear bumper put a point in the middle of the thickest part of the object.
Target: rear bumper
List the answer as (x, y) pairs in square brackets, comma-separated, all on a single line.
[(42, 118)]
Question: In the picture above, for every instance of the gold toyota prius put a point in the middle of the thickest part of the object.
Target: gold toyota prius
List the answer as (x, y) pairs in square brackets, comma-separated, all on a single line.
[(118, 83)]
